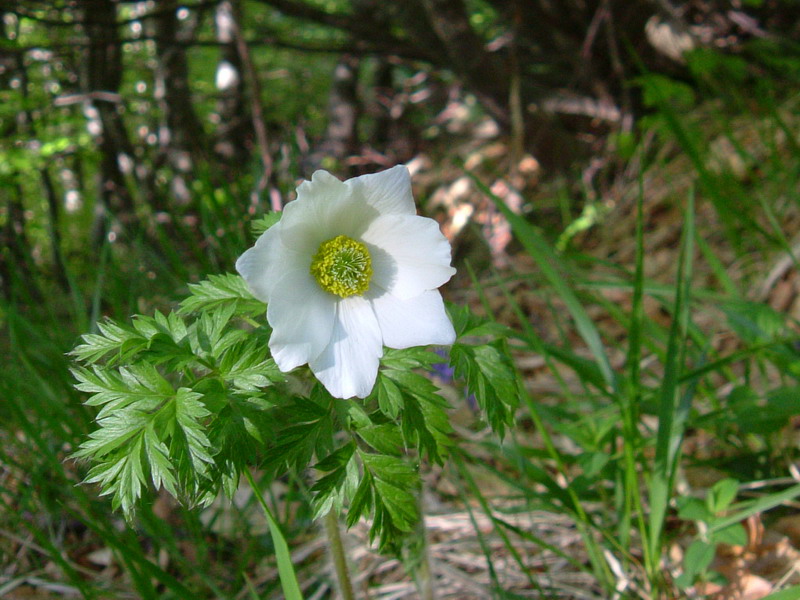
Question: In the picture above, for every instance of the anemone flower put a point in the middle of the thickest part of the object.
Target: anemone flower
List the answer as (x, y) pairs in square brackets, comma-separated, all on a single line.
[(350, 268)]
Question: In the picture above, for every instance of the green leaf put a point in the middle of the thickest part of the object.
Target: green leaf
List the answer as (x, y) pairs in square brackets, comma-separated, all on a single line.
[(733, 535), (219, 290), (362, 500), (468, 325), (754, 416), (161, 469), (399, 502), (390, 400), (491, 377), (332, 490), (721, 495), (260, 225), (424, 419), (394, 483), (698, 557), (117, 389), (337, 459), (385, 438), (791, 593), (409, 358), (123, 477), (113, 337), (674, 403), (190, 438), (298, 426), (247, 366), (693, 509)]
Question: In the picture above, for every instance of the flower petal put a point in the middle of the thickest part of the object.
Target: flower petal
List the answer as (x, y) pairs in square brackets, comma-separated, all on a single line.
[(417, 321), (262, 265), (325, 207), (349, 364), (301, 315), (409, 254), (388, 191)]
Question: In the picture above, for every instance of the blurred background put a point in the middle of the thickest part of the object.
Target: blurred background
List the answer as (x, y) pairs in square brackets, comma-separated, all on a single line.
[(139, 139)]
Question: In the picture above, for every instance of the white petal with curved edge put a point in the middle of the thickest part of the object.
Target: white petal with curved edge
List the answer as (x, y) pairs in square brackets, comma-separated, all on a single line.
[(417, 321), (325, 207), (409, 254), (349, 365), (388, 191), (302, 316), (265, 263)]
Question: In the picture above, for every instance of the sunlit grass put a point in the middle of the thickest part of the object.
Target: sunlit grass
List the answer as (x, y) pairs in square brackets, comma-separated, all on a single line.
[(603, 449)]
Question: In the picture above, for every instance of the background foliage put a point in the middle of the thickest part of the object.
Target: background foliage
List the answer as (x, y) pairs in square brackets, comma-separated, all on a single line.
[(620, 181)]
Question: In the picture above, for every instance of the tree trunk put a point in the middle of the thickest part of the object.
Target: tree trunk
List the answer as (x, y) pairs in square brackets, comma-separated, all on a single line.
[(103, 73), (234, 142), (483, 71), (182, 138)]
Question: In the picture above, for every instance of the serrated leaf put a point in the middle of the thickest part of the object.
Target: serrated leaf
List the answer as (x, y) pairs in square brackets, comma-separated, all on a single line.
[(260, 225), (399, 503), (337, 459), (390, 400), (122, 477), (209, 330), (394, 485), (219, 290), (116, 430), (161, 469), (384, 438), (362, 501), (390, 468), (247, 366), (189, 412), (423, 418), (469, 325), (409, 358), (490, 376), (114, 338), (332, 490)]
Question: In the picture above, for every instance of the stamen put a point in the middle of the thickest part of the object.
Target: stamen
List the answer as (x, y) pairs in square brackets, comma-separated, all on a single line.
[(342, 266)]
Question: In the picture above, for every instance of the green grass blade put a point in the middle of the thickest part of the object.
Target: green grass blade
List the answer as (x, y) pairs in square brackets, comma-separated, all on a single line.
[(484, 504), (757, 506), (291, 589), (673, 409), (629, 496), (792, 593), (548, 262)]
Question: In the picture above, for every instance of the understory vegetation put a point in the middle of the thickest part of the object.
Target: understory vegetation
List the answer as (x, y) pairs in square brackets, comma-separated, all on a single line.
[(619, 415)]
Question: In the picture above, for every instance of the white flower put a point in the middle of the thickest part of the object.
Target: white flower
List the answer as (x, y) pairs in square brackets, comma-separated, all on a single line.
[(348, 269)]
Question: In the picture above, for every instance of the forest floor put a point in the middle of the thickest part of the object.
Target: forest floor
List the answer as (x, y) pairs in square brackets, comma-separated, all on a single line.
[(461, 535)]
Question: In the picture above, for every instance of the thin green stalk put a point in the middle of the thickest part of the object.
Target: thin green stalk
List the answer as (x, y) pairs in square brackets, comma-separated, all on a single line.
[(629, 401), (421, 561), (338, 555), (582, 520), (673, 410), (291, 589)]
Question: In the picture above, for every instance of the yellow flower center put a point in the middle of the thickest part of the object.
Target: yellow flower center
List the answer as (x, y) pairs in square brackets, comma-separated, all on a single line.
[(342, 266)]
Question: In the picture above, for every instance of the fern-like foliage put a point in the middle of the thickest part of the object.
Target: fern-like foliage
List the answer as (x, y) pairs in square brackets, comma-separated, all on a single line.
[(186, 400), (179, 397)]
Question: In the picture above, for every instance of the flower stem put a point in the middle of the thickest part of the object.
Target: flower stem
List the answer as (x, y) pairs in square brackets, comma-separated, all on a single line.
[(423, 576), (338, 555)]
